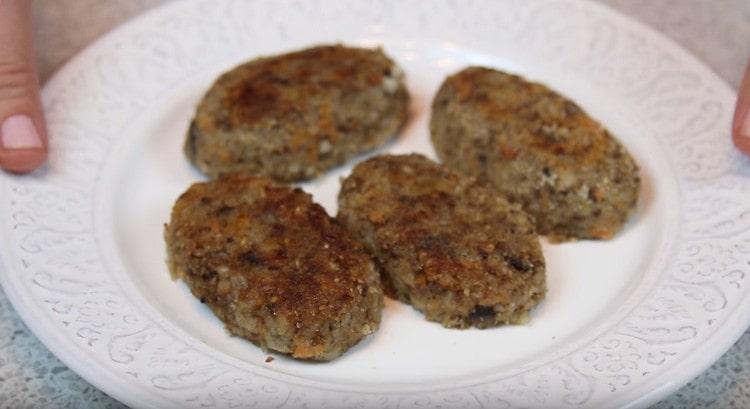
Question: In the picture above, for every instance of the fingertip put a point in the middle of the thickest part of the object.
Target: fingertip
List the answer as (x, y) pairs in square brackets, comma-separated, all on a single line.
[(741, 129), (21, 161), (741, 120), (743, 145)]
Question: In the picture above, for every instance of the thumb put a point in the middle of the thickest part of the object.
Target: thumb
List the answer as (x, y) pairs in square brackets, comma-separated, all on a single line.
[(741, 123), (23, 136)]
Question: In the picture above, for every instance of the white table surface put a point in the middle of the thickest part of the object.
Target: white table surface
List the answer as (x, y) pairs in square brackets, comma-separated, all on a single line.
[(716, 31)]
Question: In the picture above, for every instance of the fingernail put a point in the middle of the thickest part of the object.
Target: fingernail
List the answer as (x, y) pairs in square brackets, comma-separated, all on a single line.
[(19, 132)]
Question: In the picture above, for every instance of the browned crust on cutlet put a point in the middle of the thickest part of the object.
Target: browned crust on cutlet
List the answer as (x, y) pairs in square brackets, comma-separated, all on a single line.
[(274, 267), (453, 249), (539, 149), (293, 116)]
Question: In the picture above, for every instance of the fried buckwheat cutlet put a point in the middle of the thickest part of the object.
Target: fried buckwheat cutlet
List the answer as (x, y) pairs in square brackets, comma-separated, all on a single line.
[(539, 149), (274, 267), (453, 249), (292, 116)]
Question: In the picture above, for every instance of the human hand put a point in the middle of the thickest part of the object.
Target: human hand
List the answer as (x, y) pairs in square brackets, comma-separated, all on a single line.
[(741, 123), (23, 135)]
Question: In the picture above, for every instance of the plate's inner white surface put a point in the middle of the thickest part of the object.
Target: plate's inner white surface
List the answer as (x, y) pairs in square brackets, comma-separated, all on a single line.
[(587, 280)]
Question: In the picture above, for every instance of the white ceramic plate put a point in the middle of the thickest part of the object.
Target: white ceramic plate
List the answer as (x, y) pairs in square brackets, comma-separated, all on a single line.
[(625, 321)]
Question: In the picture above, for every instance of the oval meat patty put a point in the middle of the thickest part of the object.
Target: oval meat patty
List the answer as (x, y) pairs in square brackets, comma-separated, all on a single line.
[(293, 116), (453, 249), (539, 149), (274, 267)]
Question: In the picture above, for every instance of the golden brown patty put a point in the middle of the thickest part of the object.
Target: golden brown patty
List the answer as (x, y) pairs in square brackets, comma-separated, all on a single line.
[(539, 149), (293, 116), (274, 267), (453, 249)]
